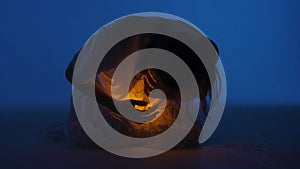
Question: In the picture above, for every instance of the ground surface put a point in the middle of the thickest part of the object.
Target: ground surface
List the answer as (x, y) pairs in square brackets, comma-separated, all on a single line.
[(247, 137)]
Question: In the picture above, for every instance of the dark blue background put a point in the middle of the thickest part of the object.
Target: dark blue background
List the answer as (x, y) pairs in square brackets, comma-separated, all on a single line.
[(258, 41)]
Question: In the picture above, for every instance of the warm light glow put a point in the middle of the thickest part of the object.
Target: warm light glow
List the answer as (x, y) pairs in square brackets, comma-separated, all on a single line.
[(137, 93)]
